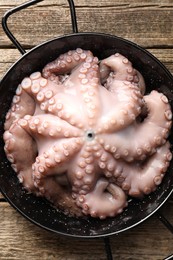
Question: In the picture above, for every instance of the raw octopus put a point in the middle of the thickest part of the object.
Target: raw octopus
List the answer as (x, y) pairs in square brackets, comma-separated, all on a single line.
[(83, 134)]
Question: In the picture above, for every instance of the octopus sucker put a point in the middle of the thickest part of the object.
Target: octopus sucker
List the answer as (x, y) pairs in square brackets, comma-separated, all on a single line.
[(84, 175), (143, 177), (25, 105), (110, 196), (51, 125), (65, 63), (122, 70), (130, 142), (59, 195), (84, 134), (127, 102), (88, 87), (56, 157)]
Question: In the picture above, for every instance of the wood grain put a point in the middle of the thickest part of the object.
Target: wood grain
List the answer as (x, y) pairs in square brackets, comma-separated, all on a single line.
[(144, 22), (1, 197), (20, 239), (149, 23)]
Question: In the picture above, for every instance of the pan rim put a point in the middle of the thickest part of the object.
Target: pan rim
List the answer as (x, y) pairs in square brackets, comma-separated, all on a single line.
[(85, 236), (76, 35), (135, 45)]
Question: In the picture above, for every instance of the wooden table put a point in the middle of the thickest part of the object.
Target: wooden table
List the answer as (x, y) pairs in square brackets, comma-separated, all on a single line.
[(149, 23)]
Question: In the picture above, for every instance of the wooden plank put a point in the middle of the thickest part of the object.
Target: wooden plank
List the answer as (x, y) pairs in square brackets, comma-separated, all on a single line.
[(1, 197), (128, 20), (21, 239), (165, 56)]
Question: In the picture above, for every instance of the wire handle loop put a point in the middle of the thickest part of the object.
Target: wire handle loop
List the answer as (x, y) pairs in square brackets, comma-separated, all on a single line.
[(25, 5)]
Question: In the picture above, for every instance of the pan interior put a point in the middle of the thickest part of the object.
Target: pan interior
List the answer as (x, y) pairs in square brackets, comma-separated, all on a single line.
[(38, 210)]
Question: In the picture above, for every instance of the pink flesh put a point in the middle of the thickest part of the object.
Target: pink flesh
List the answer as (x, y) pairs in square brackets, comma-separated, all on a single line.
[(138, 179), (76, 135)]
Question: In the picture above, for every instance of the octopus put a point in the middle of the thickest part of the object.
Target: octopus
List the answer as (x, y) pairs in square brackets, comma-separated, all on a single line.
[(84, 134)]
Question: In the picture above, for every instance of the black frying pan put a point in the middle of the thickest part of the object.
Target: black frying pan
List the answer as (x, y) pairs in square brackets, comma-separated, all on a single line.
[(38, 210)]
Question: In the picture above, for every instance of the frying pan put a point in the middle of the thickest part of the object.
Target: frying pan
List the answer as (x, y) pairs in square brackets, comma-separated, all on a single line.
[(38, 210)]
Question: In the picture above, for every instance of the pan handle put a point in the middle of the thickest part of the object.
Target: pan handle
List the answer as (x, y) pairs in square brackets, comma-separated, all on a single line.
[(25, 5)]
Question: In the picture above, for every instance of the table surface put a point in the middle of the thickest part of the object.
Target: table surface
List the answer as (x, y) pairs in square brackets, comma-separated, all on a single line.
[(148, 23)]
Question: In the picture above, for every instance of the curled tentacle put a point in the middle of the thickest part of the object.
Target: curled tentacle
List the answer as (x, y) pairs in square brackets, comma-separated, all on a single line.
[(65, 63), (142, 138), (105, 200), (140, 178), (118, 68)]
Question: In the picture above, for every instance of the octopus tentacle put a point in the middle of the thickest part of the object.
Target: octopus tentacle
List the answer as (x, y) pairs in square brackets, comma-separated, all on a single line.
[(83, 173), (84, 68), (107, 164), (62, 106), (142, 178), (59, 195), (118, 68), (40, 88), (20, 148), (48, 125), (130, 143), (22, 104), (85, 81), (121, 106), (65, 62), (50, 98), (54, 159), (105, 200)]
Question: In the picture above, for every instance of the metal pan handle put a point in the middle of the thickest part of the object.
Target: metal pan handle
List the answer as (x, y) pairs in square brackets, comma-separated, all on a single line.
[(25, 5)]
